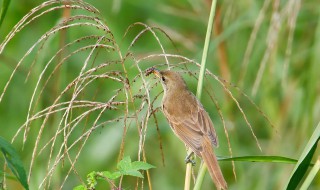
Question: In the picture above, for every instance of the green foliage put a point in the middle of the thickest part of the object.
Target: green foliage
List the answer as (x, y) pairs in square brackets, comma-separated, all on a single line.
[(304, 160), (124, 168), (267, 47), (80, 187), (276, 159), (14, 162), (312, 174), (3, 10)]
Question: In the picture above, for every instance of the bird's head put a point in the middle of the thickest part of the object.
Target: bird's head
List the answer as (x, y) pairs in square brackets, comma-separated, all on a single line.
[(170, 80)]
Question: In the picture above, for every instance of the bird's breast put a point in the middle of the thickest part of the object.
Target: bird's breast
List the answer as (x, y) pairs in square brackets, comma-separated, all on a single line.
[(179, 105)]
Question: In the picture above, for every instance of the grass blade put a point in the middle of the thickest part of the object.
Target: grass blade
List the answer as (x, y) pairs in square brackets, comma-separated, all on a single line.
[(311, 175), (275, 159), (304, 160), (14, 162), (3, 10)]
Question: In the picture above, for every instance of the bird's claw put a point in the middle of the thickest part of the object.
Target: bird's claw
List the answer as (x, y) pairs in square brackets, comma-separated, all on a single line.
[(188, 160)]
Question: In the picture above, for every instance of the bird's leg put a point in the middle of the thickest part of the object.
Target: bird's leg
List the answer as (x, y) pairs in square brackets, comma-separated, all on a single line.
[(189, 159)]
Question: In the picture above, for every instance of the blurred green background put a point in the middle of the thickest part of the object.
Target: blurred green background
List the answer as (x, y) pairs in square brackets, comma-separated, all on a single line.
[(283, 37)]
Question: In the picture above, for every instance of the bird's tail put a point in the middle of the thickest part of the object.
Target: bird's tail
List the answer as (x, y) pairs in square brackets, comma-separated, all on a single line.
[(211, 161)]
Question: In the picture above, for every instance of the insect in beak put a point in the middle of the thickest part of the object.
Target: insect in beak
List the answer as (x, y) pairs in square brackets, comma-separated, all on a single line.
[(154, 71)]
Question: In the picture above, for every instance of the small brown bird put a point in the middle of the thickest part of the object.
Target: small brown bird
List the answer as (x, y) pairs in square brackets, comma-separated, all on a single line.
[(189, 121)]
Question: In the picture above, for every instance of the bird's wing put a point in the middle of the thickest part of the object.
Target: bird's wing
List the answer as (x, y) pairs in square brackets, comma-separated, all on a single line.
[(193, 127), (191, 138), (206, 125)]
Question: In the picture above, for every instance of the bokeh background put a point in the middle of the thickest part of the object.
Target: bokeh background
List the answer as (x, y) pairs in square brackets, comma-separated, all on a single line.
[(269, 49)]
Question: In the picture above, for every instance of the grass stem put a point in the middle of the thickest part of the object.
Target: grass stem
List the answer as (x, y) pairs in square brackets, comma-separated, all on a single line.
[(199, 91)]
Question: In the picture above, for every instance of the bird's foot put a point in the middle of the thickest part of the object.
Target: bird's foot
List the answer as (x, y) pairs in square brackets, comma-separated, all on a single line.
[(189, 159)]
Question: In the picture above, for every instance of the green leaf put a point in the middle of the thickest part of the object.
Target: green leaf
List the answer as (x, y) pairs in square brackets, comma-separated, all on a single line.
[(124, 164), (134, 173), (126, 167), (14, 162), (91, 175), (312, 174), (304, 160), (276, 159), (80, 187), (3, 10), (110, 175), (91, 180), (137, 165)]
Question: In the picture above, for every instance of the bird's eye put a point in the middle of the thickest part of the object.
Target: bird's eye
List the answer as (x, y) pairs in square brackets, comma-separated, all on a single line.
[(163, 79)]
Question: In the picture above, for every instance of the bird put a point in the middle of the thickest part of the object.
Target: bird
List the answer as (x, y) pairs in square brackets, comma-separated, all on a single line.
[(189, 121)]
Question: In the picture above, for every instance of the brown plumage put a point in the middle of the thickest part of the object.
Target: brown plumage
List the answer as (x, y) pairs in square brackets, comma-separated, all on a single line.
[(190, 122)]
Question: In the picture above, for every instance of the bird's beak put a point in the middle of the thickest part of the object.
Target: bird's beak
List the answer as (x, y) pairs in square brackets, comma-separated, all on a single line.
[(156, 72)]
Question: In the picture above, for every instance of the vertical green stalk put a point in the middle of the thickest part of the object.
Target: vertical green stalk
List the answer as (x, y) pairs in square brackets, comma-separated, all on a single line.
[(206, 49), (201, 174), (199, 92)]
